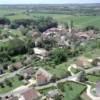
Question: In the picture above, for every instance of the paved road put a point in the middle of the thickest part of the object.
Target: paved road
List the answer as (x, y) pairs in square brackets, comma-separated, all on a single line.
[(90, 94), (10, 75), (93, 69), (70, 78)]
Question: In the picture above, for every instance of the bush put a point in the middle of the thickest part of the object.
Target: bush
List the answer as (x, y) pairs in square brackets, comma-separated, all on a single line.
[(91, 28), (59, 55), (4, 21)]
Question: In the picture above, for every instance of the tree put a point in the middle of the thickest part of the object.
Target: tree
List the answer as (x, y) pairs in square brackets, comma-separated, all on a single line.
[(8, 83), (2, 85), (58, 97), (90, 27), (44, 23), (24, 22), (5, 66), (20, 77), (4, 21), (59, 55), (48, 43), (17, 46), (61, 87)]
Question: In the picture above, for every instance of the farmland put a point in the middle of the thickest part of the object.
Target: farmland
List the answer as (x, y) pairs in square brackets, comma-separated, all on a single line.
[(80, 21), (48, 48), (69, 89)]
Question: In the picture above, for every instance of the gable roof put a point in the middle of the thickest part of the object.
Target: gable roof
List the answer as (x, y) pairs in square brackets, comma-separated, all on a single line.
[(43, 76), (43, 72), (82, 62), (29, 70), (17, 65), (30, 94)]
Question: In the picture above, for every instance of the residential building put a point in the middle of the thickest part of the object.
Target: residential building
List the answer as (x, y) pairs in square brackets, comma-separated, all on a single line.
[(40, 52), (53, 93), (82, 62), (42, 76), (28, 72)]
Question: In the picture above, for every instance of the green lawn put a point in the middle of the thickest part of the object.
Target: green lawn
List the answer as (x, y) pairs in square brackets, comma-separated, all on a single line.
[(93, 78), (75, 70), (79, 21), (15, 83), (72, 90), (57, 70), (92, 53), (15, 32), (46, 90)]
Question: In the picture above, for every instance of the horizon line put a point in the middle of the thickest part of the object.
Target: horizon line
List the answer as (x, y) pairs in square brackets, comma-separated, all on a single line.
[(47, 3)]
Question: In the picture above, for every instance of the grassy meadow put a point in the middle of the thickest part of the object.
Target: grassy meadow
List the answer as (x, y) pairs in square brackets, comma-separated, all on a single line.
[(79, 21)]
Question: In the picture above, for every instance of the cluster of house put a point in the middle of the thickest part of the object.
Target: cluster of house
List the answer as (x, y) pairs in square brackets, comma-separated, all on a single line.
[(27, 93), (42, 77), (83, 62), (30, 93), (59, 32)]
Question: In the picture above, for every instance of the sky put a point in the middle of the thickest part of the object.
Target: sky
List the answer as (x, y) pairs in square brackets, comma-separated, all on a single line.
[(46, 1)]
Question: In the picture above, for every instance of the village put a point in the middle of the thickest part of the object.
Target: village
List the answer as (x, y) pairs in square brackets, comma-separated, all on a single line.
[(49, 51), (24, 80)]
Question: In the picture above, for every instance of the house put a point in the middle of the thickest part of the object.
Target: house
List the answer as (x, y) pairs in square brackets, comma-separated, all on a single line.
[(42, 76), (27, 60), (18, 65), (40, 52), (15, 66), (98, 88), (82, 36), (28, 72), (54, 32), (29, 94), (82, 62), (86, 35), (53, 93)]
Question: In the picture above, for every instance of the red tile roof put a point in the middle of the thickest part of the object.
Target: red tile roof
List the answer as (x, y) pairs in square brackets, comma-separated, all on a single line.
[(30, 94)]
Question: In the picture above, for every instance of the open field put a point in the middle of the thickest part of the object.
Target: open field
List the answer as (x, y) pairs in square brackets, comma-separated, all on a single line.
[(46, 90), (69, 89), (93, 78), (79, 21), (15, 83)]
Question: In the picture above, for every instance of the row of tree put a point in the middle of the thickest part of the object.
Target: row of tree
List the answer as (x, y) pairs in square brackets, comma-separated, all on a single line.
[(41, 23)]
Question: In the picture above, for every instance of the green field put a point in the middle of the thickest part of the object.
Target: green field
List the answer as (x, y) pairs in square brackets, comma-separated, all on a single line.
[(79, 21), (46, 90), (71, 90), (93, 78), (15, 83)]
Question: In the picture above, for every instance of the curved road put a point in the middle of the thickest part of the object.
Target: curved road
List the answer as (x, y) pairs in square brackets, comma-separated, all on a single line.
[(70, 78)]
